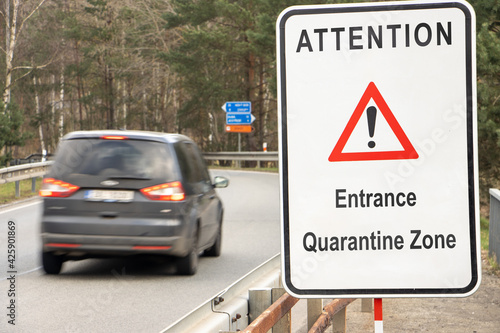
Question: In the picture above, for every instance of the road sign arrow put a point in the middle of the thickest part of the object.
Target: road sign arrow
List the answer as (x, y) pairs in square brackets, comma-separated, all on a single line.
[(235, 118), (240, 107)]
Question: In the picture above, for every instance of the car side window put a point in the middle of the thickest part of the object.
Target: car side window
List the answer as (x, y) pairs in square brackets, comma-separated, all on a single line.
[(200, 162), (197, 170), (193, 167), (205, 181), (185, 164)]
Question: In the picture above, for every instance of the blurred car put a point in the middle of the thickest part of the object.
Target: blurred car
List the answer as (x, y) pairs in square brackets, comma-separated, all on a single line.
[(116, 193)]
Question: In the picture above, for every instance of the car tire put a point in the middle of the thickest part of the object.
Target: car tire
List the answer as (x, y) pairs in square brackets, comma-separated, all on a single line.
[(52, 264), (189, 264), (215, 250)]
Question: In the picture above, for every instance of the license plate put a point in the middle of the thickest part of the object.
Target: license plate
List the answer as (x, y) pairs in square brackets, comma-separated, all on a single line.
[(109, 196)]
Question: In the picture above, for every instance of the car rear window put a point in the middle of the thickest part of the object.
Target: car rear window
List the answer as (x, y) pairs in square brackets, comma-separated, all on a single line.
[(132, 159)]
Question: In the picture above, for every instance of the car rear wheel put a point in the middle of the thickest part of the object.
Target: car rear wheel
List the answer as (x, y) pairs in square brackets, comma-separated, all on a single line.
[(189, 264), (52, 264)]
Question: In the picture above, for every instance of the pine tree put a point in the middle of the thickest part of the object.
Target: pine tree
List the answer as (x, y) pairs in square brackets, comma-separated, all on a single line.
[(227, 53), (488, 86)]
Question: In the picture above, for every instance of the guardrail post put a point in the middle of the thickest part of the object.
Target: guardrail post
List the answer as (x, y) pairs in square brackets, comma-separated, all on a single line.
[(33, 185), (314, 310), (494, 240), (339, 321), (18, 189), (259, 300), (367, 305), (267, 320), (333, 314), (284, 325)]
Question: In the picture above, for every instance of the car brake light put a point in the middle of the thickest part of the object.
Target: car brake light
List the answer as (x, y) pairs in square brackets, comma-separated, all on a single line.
[(56, 188), (114, 137), (71, 245), (167, 192)]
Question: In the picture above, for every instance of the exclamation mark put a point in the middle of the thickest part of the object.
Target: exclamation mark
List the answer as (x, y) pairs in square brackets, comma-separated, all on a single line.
[(371, 114)]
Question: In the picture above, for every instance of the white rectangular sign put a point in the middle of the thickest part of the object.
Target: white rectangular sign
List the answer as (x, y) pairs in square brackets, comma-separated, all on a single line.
[(379, 180)]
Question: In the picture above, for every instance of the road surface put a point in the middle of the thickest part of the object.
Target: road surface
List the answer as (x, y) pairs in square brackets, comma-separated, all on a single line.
[(119, 295)]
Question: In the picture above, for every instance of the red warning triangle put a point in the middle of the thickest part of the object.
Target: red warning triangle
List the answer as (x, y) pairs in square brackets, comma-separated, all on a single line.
[(408, 151)]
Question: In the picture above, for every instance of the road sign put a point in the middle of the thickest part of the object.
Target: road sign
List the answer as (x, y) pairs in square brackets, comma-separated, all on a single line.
[(233, 118), (244, 107), (380, 197), (239, 128)]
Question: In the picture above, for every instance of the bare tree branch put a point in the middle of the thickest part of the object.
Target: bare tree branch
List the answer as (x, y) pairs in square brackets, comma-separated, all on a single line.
[(31, 70), (30, 14)]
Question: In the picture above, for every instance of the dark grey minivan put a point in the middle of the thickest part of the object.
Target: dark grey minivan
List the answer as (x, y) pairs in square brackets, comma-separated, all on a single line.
[(115, 193)]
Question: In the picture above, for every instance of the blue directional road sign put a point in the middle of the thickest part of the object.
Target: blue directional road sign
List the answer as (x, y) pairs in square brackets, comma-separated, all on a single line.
[(240, 107), (235, 118)]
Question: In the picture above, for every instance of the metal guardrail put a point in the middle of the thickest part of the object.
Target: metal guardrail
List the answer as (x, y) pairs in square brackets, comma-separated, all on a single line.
[(243, 156), (39, 169), (33, 170), (329, 316), (272, 315), (231, 310), (227, 311), (23, 171)]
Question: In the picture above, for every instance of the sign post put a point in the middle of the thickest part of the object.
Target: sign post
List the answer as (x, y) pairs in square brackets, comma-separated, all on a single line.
[(380, 197)]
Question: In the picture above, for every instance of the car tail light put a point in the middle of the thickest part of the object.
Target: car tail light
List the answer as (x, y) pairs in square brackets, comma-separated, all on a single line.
[(67, 245), (167, 192), (57, 188), (114, 137)]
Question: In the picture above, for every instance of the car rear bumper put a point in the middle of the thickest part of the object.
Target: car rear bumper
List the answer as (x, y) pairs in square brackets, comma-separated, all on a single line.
[(94, 237), (92, 245)]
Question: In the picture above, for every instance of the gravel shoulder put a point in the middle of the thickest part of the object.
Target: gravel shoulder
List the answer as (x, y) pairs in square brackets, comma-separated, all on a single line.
[(478, 313)]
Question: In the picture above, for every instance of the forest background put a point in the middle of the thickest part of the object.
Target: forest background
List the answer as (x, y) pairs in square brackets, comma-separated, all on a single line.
[(169, 65)]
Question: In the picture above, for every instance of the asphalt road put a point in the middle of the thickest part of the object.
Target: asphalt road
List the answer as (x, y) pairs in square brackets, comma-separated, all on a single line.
[(118, 295)]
